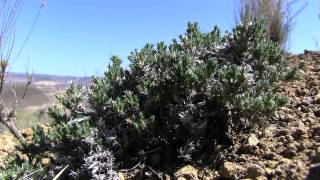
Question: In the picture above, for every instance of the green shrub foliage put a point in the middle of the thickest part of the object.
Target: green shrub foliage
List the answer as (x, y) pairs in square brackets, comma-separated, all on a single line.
[(172, 105), (201, 87)]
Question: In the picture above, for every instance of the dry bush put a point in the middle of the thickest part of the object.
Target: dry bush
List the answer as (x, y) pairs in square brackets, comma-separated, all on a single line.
[(277, 14), (9, 13)]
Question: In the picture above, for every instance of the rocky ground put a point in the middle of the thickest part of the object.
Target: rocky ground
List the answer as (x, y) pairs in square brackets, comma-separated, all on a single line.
[(7, 142), (287, 148)]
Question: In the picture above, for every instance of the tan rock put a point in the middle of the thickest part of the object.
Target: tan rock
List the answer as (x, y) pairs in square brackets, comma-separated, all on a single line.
[(167, 177), (181, 178), (261, 178), (269, 171), (305, 109), (45, 161), (121, 176), (269, 131), (253, 140), (230, 170), (254, 171), (187, 173), (317, 99)]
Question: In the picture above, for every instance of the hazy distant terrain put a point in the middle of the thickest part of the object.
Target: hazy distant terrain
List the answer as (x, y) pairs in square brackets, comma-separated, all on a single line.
[(41, 90), (61, 80), (39, 96)]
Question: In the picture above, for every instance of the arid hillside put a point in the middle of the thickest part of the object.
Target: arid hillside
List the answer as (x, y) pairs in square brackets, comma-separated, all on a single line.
[(288, 148)]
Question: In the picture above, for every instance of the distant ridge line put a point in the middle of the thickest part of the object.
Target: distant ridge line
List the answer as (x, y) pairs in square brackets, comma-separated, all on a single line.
[(21, 77)]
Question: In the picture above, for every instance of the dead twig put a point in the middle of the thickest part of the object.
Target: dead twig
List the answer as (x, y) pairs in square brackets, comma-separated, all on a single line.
[(34, 172), (130, 169), (8, 118), (159, 175), (29, 81), (60, 173)]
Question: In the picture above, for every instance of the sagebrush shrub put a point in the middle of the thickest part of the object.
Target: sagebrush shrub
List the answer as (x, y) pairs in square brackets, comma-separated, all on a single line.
[(201, 87), (173, 104)]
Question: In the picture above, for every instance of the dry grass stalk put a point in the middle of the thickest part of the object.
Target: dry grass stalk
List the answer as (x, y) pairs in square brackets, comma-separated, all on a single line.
[(277, 14), (9, 13)]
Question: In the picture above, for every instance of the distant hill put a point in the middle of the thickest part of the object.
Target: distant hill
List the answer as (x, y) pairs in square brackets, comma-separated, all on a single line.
[(41, 91), (39, 96), (62, 80)]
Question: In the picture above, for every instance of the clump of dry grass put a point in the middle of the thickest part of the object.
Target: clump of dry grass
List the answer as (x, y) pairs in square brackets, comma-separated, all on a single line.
[(277, 14)]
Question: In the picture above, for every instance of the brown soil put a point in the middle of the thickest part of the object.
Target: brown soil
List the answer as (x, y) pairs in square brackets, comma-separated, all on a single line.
[(7, 142)]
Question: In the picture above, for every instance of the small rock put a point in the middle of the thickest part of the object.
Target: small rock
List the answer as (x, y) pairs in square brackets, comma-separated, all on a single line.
[(301, 92), (166, 177), (270, 156), (230, 170), (269, 131), (297, 132), (305, 109), (187, 172), (285, 161), (306, 101), (253, 140), (315, 129), (261, 178), (283, 139), (289, 138), (181, 178), (254, 171), (300, 146), (289, 153), (45, 161), (121, 176), (317, 99), (289, 118), (269, 171), (281, 132), (272, 163), (284, 117)]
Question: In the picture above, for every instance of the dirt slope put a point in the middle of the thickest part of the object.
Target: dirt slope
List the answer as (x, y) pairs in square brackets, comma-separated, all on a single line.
[(289, 148)]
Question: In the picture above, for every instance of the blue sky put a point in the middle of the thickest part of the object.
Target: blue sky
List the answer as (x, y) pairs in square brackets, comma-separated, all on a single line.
[(74, 37)]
